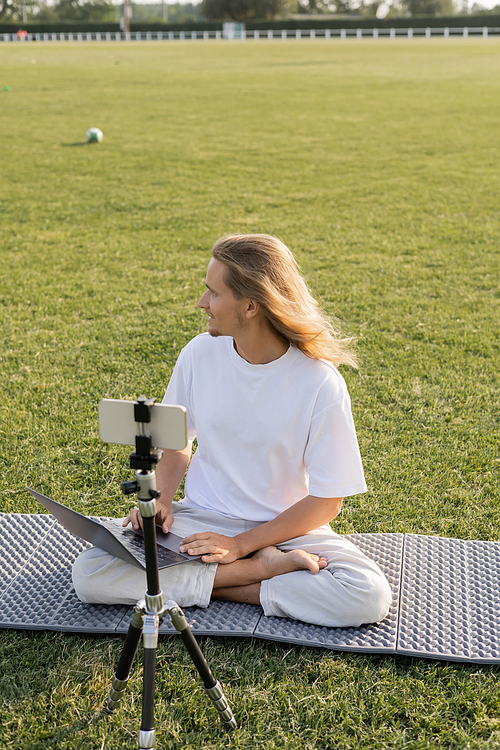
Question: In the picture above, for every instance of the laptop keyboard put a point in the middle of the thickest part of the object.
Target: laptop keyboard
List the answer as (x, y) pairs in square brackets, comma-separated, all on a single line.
[(135, 545)]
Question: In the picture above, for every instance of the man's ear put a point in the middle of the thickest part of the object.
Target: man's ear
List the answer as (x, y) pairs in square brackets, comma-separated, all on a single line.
[(252, 309)]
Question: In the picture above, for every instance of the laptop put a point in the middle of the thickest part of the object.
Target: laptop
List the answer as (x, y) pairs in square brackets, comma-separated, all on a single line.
[(109, 535)]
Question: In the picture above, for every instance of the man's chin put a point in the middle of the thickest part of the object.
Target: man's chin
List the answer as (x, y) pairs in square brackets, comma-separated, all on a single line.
[(213, 331)]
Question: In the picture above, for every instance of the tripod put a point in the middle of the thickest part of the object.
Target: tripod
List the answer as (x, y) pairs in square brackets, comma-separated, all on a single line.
[(147, 613)]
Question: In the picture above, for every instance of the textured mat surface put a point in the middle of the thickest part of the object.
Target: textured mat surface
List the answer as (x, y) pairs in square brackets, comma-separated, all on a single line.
[(450, 601), (37, 553), (220, 618), (21, 535), (446, 596)]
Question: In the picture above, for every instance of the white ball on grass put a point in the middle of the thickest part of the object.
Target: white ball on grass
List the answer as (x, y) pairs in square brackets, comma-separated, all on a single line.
[(94, 135)]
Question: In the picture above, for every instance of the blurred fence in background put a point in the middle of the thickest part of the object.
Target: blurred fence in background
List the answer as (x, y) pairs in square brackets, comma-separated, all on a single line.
[(255, 34)]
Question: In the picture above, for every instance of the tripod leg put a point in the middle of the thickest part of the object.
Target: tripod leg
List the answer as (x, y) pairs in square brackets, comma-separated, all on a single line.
[(213, 688), (154, 609), (147, 736), (124, 665)]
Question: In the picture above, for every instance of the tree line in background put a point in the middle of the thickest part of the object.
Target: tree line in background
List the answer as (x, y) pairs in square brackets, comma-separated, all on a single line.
[(95, 11), (236, 10)]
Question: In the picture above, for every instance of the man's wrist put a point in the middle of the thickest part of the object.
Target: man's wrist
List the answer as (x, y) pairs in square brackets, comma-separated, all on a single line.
[(164, 503), (245, 546)]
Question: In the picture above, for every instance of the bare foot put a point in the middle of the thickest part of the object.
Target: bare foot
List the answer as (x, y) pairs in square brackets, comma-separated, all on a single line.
[(276, 563)]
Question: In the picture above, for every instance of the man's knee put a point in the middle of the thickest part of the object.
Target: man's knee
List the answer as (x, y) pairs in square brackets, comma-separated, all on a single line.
[(361, 597), (376, 602)]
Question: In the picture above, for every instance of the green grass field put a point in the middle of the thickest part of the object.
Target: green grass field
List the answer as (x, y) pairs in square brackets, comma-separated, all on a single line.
[(378, 164)]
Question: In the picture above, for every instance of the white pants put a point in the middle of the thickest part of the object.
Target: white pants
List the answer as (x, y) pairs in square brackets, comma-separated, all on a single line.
[(349, 592)]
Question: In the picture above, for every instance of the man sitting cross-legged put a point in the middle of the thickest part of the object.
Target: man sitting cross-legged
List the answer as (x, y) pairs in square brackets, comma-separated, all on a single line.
[(277, 452)]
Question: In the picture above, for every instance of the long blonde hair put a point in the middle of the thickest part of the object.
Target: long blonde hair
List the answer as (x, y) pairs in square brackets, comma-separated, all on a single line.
[(262, 268)]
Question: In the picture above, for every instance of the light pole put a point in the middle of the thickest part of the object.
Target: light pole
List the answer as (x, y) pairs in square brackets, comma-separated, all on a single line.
[(127, 12)]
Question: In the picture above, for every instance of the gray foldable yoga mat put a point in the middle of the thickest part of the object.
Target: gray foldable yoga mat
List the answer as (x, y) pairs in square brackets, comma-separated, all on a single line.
[(446, 596)]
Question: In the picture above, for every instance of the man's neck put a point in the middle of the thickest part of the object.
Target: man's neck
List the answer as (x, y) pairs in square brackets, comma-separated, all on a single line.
[(260, 350)]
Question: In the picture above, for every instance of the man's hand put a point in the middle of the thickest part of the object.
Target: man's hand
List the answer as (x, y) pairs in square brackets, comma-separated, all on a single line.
[(164, 518), (215, 548)]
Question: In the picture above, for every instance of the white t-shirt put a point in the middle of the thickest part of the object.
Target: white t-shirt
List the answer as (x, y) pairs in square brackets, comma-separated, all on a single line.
[(268, 435)]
